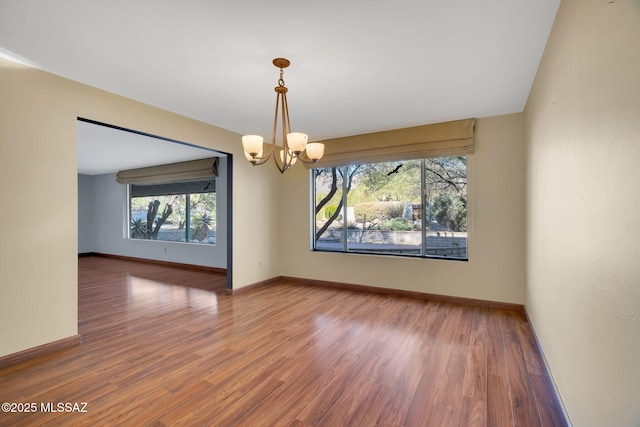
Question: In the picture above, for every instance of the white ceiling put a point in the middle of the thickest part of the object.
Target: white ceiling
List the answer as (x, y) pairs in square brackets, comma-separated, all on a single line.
[(103, 149), (358, 66)]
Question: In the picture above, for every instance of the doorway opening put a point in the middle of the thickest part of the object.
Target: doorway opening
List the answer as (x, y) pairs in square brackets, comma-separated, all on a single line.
[(104, 205)]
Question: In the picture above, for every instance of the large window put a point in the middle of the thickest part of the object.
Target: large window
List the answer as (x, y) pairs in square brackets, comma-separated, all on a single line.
[(413, 207), (175, 212)]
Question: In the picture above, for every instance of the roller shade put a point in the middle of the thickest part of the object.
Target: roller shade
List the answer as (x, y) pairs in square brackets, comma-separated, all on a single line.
[(173, 188), (435, 140), (192, 170)]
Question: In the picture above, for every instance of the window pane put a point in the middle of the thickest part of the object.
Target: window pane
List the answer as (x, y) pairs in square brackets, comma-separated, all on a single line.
[(175, 212), (446, 197), (158, 217), (383, 208), (202, 218), (328, 209), (389, 204)]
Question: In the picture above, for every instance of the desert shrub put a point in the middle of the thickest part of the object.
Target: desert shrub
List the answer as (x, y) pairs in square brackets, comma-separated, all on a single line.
[(139, 229), (396, 224), (380, 211), (451, 212), (201, 226)]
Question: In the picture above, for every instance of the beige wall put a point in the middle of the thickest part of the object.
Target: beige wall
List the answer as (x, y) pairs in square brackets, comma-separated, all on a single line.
[(583, 209), (38, 249), (38, 264), (495, 270)]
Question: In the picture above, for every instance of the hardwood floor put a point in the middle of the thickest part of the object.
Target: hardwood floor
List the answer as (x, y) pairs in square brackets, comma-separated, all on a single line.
[(166, 347)]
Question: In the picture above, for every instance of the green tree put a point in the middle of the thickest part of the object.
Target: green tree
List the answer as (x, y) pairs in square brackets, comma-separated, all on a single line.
[(153, 224), (331, 175), (400, 181), (392, 181), (446, 180)]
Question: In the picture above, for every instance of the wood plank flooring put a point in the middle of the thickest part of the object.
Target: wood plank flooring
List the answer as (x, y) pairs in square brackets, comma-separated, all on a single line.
[(164, 346)]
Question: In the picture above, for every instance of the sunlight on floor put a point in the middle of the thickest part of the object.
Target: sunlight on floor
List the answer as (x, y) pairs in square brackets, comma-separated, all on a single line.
[(145, 291)]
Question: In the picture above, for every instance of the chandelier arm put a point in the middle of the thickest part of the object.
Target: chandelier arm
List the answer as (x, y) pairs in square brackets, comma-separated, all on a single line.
[(288, 156), (306, 160), (281, 167), (285, 143), (275, 121), (257, 161), (285, 113)]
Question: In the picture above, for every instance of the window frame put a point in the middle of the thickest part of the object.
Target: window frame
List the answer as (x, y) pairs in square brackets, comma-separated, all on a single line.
[(423, 215), (187, 207)]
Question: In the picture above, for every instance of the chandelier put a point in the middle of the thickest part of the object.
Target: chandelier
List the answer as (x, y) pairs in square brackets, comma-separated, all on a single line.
[(294, 144)]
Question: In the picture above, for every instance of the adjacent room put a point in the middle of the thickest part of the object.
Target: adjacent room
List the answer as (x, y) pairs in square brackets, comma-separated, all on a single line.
[(437, 226), (121, 171)]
